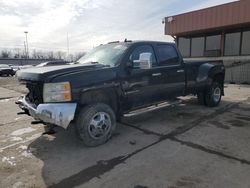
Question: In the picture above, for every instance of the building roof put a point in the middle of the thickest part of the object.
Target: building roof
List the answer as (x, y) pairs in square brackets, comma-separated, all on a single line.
[(230, 15)]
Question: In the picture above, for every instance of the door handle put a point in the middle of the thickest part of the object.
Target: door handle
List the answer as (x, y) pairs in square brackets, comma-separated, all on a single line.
[(156, 74), (181, 70)]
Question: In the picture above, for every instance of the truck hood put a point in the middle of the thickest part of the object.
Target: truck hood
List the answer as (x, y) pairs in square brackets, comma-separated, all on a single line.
[(3, 69), (47, 73)]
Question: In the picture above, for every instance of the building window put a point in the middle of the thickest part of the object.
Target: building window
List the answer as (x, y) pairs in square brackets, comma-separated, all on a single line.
[(245, 50), (232, 44), (184, 46), (213, 42), (197, 47)]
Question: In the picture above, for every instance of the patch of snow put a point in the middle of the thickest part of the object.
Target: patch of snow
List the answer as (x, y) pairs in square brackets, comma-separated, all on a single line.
[(18, 185), (18, 118), (34, 136), (4, 140), (4, 159), (9, 160), (21, 142), (22, 131), (16, 138), (4, 100), (23, 147), (26, 154)]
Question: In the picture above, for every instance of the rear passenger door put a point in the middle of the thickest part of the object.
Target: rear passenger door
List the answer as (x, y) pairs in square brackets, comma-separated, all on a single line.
[(171, 69)]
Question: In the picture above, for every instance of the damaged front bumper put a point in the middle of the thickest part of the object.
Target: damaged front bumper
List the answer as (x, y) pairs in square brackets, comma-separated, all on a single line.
[(60, 114)]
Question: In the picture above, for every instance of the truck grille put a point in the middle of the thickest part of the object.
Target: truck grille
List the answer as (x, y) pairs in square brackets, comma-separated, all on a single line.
[(35, 94)]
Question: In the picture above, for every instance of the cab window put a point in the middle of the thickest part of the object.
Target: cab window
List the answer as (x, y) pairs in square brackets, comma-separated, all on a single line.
[(135, 55), (167, 55)]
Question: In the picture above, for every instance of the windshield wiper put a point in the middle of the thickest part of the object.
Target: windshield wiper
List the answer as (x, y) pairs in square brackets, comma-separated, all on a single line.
[(93, 63), (89, 62)]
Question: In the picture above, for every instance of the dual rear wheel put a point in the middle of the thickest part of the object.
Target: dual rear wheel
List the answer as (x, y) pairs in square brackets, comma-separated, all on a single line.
[(212, 96)]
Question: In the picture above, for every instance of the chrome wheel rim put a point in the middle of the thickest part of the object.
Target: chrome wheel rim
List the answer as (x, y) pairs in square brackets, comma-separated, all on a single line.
[(99, 125), (217, 94)]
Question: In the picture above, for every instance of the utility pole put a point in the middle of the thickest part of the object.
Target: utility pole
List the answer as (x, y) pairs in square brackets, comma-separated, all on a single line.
[(68, 43), (27, 46), (25, 52)]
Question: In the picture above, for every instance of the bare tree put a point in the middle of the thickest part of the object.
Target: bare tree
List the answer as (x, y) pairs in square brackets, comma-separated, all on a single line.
[(40, 54), (78, 55), (50, 55), (60, 55), (34, 54), (17, 53), (6, 53)]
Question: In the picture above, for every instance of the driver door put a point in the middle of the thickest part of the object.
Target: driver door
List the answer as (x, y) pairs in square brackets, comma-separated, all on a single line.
[(141, 86)]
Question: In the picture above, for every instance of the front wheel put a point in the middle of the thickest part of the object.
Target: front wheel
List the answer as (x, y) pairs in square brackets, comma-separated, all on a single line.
[(95, 124), (213, 94)]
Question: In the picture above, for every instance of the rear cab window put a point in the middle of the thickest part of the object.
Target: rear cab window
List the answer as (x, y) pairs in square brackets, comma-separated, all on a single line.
[(167, 55)]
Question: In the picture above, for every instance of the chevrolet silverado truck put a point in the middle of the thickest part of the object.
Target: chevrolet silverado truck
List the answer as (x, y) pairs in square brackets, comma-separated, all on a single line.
[(112, 80)]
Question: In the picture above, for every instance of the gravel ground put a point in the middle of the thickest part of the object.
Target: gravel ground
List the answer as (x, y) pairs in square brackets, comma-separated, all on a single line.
[(183, 145)]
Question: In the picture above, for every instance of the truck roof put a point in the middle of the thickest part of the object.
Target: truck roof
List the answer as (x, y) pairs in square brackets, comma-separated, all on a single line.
[(140, 42)]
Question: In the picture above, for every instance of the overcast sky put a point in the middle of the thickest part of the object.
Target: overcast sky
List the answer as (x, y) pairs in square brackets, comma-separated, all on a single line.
[(88, 22)]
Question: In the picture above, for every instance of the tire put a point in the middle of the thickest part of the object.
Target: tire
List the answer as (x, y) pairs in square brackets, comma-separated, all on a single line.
[(201, 98), (213, 95), (95, 124)]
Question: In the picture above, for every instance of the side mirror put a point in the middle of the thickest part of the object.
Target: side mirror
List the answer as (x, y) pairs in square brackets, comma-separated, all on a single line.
[(144, 61)]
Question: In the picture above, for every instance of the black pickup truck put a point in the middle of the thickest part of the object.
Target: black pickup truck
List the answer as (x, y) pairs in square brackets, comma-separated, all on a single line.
[(114, 79)]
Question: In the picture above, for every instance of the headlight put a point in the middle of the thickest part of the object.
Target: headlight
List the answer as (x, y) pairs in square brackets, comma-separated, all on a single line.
[(56, 92)]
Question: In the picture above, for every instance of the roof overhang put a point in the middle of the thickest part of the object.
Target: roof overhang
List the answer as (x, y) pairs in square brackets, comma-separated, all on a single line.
[(222, 17)]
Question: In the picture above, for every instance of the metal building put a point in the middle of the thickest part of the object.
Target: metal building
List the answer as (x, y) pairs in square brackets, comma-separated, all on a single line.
[(216, 33)]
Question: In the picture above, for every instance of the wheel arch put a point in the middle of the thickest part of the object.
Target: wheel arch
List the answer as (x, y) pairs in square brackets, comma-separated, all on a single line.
[(108, 96)]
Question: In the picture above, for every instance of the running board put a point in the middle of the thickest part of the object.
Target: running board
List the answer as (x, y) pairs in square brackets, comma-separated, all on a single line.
[(151, 108)]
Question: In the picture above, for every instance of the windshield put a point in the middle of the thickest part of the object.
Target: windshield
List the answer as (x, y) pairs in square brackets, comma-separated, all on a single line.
[(4, 66), (108, 54)]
